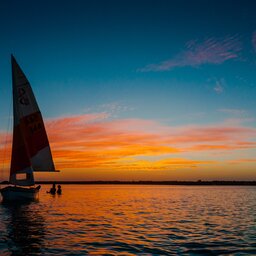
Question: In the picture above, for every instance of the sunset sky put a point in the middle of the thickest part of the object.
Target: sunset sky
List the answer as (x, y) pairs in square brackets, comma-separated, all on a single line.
[(136, 90)]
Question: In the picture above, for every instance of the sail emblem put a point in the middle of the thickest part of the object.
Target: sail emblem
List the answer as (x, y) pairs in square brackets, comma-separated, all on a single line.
[(23, 99), (33, 122)]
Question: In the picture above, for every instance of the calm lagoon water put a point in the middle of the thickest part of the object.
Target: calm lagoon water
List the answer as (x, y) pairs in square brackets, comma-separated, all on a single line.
[(132, 220)]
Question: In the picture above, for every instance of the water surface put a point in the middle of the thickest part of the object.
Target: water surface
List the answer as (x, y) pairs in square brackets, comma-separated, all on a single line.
[(133, 220)]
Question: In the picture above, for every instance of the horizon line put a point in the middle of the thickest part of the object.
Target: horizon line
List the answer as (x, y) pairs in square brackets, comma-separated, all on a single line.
[(149, 182)]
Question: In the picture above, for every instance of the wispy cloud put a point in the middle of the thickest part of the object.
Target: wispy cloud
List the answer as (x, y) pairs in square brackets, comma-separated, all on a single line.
[(110, 109), (196, 53), (115, 107), (219, 88)]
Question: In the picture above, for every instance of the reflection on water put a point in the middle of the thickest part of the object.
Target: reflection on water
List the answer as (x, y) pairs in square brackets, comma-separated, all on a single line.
[(24, 228), (133, 220)]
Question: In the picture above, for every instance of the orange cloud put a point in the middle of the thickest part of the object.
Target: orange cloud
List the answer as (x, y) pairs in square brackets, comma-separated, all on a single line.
[(243, 160), (95, 142), (232, 146)]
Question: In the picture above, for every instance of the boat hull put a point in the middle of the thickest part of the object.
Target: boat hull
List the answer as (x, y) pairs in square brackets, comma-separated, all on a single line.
[(12, 193)]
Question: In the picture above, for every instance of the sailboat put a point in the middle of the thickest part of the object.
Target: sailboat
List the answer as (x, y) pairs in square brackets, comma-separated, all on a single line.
[(30, 146)]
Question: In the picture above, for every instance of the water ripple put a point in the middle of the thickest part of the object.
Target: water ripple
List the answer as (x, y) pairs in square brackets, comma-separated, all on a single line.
[(132, 220)]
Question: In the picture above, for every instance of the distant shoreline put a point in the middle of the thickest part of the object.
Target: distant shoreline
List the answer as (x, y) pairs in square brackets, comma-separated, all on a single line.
[(190, 183), (187, 183)]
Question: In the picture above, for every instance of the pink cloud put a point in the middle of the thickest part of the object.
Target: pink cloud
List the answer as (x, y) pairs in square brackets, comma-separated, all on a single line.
[(210, 51)]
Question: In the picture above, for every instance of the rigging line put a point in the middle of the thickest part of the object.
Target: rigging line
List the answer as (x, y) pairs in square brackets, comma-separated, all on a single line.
[(6, 140)]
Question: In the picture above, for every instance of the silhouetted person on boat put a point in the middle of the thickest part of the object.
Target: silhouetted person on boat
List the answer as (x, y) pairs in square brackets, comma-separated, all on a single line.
[(53, 189), (59, 190)]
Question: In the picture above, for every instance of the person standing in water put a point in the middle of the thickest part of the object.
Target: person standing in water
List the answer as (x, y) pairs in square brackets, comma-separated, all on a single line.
[(59, 190), (53, 189)]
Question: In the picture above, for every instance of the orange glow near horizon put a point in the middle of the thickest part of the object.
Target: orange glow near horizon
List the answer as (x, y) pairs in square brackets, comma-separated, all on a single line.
[(93, 147)]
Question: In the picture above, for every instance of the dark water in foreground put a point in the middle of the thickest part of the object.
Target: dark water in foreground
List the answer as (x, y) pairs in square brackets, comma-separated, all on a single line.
[(132, 220)]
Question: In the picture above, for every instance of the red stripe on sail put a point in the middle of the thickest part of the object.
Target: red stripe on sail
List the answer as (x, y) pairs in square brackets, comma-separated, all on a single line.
[(20, 159), (34, 133)]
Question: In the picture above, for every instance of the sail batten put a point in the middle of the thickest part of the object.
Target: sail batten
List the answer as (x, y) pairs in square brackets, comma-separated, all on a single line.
[(30, 147)]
